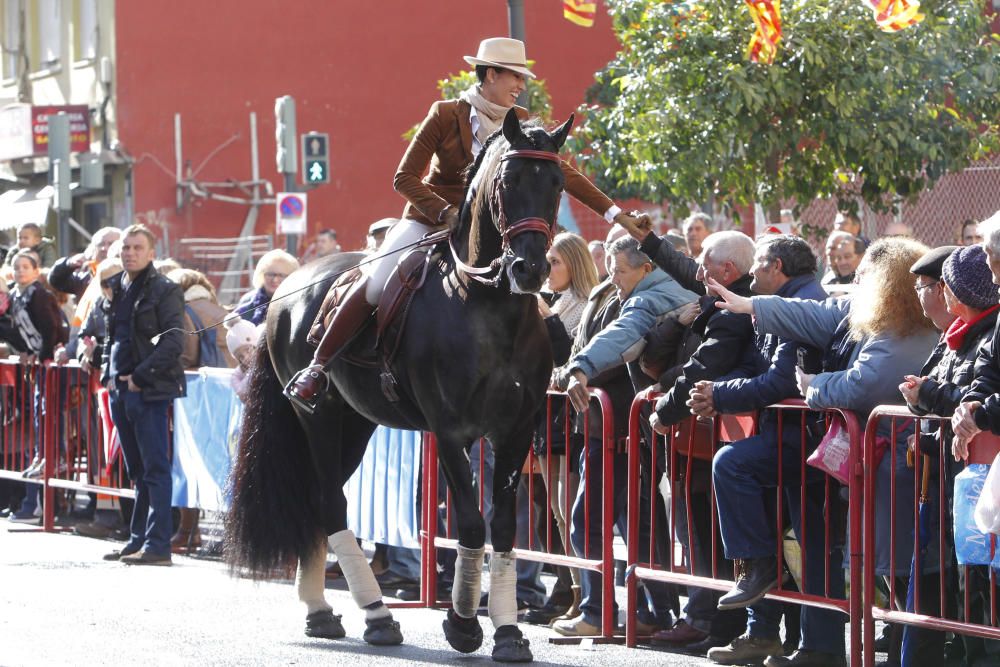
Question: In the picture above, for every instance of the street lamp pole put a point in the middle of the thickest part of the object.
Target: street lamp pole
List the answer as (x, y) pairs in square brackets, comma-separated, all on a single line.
[(515, 22)]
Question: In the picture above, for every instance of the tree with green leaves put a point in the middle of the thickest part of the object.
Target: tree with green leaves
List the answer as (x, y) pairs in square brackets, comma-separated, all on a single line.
[(845, 110)]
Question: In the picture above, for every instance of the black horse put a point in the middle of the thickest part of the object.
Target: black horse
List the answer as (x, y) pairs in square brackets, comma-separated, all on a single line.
[(475, 361)]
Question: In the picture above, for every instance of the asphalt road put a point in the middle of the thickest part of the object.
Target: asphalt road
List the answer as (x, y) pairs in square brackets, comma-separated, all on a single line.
[(60, 604)]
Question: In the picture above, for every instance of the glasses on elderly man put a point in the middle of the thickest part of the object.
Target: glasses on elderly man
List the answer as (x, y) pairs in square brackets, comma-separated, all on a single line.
[(920, 287), (270, 275)]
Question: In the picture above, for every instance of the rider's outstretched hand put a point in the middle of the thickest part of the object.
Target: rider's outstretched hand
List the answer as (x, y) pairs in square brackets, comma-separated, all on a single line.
[(638, 225), (730, 301)]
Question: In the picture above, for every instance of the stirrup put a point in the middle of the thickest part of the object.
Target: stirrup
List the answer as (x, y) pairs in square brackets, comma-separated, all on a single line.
[(308, 405)]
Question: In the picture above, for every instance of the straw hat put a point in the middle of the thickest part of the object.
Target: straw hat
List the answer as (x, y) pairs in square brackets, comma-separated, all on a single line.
[(504, 53)]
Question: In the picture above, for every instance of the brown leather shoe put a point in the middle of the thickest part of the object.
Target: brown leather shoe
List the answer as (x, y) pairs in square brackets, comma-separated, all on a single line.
[(145, 558), (118, 554), (679, 635)]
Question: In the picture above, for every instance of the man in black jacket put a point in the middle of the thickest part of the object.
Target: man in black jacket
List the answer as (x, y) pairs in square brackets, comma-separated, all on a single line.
[(726, 350), (142, 370), (980, 408), (727, 341), (746, 476)]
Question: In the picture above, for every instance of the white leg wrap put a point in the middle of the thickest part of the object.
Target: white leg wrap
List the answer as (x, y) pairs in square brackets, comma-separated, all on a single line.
[(503, 589), (468, 581), (310, 580), (360, 579)]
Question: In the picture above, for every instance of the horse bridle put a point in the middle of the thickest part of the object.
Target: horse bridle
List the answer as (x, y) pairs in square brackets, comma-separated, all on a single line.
[(508, 232)]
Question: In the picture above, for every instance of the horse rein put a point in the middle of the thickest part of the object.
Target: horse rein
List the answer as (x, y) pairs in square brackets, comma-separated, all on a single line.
[(507, 233)]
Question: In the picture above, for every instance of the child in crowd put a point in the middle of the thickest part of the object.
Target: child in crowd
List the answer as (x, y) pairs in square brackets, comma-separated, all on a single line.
[(241, 338), (29, 237)]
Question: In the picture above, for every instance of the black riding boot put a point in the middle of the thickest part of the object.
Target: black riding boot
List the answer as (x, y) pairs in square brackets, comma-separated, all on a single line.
[(353, 311)]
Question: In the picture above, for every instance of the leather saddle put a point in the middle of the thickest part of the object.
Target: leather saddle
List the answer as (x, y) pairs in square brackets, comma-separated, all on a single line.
[(391, 315)]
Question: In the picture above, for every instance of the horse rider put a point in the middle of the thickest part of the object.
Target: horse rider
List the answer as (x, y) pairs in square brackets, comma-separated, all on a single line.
[(448, 140)]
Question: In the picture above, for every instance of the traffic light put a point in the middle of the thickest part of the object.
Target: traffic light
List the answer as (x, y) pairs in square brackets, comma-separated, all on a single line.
[(316, 157), (285, 134)]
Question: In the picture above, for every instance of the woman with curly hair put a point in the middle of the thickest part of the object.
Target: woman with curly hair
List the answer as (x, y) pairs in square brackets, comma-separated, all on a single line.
[(870, 341)]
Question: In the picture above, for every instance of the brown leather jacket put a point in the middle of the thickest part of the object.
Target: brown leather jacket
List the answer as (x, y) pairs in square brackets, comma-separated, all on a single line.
[(444, 141)]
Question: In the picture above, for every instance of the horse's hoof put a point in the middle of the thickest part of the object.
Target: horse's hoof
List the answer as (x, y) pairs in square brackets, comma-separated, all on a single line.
[(464, 634), (324, 624), (383, 632), (509, 645)]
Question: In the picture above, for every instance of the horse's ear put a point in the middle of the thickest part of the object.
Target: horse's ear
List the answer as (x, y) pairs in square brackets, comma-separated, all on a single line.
[(559, 136), (512, 126)]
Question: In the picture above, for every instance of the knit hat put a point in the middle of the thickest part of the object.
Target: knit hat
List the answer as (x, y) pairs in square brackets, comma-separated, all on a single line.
[(968, 275), (240, 332)]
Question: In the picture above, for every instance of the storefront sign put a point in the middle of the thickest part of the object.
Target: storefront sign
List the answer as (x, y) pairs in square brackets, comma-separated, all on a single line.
[(24, 129), (79, 127)]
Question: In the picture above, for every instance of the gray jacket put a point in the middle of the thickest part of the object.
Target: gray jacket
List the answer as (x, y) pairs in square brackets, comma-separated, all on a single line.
[(622, 340), (877, 365)]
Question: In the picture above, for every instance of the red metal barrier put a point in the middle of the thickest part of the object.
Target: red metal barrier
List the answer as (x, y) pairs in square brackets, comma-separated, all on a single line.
[(18, 436), (68, 432), (646, 566), (78, 452), (981, 450), (430, 540)]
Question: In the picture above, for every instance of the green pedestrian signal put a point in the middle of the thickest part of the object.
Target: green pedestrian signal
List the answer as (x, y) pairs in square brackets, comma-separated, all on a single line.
[(316, 157), (316, 171)]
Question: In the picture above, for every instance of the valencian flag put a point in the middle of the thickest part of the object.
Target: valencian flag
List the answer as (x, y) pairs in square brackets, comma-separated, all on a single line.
[(894, 15), (580, 12), (766, 16)]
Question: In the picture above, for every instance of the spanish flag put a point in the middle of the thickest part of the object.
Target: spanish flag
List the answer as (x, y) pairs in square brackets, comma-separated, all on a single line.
[(895, 15), (766, 15), (580, 12)]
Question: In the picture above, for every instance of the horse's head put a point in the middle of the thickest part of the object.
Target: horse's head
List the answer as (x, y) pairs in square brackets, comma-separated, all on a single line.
[(522, 192)]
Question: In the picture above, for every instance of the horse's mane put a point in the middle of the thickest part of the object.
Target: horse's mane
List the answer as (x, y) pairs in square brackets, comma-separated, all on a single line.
[(473, 169)]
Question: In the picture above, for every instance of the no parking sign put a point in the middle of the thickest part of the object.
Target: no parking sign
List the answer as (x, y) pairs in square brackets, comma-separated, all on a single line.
[(290, 209)]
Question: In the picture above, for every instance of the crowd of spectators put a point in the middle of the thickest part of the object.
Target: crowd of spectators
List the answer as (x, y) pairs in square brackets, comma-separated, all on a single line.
[(724, 324), (711, 322), (103, 308)]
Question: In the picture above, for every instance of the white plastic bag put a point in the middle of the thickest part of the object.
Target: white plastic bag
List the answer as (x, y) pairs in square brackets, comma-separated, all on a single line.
[(988, 505)]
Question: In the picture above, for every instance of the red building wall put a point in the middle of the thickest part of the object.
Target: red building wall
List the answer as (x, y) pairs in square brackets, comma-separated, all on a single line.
[(363, 71)]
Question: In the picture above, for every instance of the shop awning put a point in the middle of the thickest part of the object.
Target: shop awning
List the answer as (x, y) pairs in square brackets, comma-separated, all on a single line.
[(24, 205)]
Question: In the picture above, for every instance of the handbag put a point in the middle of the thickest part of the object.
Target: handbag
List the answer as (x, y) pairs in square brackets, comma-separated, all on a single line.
[(695, 437), (833, 453)]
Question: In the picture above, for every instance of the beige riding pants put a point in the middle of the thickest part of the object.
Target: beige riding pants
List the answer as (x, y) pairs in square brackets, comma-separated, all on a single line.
[(379, 266)]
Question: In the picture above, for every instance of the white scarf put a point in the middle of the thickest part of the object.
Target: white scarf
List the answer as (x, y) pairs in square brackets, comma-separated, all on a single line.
[(490, 115)]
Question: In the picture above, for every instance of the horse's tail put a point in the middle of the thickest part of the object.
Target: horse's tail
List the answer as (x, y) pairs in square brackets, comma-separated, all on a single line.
[(273, 518)]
